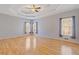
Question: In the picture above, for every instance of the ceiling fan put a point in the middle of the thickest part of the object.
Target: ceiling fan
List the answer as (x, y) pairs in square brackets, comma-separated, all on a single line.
[(34, 8)]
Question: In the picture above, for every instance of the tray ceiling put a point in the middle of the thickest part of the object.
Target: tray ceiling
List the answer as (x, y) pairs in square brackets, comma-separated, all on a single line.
[(19, 10)]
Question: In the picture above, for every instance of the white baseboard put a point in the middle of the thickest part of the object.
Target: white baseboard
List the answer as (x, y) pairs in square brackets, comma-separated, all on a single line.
[(12, 36), (69, 40), (58, 38)]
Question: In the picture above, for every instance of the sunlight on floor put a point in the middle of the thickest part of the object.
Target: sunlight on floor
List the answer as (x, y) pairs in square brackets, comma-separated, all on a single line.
[(66, 50), (34, 42), (30, 43)]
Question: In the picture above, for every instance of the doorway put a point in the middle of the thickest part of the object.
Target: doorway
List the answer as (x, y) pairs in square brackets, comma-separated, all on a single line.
[(31, 27)]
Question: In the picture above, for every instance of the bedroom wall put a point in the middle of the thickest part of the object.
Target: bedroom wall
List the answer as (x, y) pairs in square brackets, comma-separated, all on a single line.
[(49, 26), (11, 25)]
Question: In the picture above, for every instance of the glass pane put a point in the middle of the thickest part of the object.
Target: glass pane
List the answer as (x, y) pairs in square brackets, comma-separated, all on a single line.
[(67, 26), (27, 27), (34, 27)]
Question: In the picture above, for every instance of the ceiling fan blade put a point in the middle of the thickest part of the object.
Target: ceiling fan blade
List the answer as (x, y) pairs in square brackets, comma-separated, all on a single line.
[(33, 6), (36, 7), (36, 10), (28, 8)]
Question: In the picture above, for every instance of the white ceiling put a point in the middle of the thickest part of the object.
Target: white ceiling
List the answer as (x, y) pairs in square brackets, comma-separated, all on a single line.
[(46, 9)]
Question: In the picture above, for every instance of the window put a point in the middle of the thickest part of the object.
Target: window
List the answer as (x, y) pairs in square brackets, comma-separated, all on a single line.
[(31, 27), (35, 27), (27, 27), (67, 27)]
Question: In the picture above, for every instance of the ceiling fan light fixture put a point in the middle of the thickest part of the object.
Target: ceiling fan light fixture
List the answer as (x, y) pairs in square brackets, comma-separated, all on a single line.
[(34, 8)]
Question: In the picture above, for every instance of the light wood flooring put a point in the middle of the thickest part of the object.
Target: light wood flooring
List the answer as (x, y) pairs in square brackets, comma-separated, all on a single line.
[(33, 45)]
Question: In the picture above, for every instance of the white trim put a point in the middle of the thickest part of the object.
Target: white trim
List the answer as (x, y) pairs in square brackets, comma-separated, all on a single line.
[(59, 38), (14, 36), (68, 40)]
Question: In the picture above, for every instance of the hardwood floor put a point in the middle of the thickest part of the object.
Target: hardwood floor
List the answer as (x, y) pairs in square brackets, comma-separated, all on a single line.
[(32, 45)]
